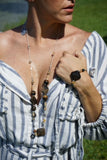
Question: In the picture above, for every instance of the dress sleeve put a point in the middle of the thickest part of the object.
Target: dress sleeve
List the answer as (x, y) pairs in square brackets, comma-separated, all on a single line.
[(98, 63)]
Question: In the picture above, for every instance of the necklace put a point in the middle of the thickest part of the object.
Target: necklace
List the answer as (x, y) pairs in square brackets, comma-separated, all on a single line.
[(40, 131)]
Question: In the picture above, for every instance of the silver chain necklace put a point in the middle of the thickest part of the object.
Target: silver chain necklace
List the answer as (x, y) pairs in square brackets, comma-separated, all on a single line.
[(37, 132)]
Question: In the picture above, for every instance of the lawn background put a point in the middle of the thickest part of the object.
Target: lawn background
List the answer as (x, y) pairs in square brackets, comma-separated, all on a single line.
[(89, 15)]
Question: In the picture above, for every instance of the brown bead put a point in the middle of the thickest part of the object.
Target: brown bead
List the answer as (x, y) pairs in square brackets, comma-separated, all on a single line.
[(35, 131), (32, 136), (33, 114), (32, 82), (33, 108), (45, 97), (52, 54), (44, 120), (46, 82), (29, 61), (48, 73), (45, 89), (33, 93), (41, 132), (83, 70), (33, 100)]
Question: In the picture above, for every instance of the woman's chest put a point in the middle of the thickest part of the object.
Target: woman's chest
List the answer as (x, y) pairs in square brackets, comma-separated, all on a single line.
[(42, 67), (42, 64)]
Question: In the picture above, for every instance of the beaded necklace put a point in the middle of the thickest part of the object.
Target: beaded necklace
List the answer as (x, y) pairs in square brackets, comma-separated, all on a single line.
[(40, 131)]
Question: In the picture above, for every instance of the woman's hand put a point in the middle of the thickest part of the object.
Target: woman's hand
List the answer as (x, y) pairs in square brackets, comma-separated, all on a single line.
[(88, 94), (69, 63)]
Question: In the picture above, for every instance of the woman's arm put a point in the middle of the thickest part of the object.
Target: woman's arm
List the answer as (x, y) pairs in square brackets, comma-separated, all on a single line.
[(89, 96)]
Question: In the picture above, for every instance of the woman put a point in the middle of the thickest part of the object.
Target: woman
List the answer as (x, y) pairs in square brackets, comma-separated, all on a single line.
[(52, 85)]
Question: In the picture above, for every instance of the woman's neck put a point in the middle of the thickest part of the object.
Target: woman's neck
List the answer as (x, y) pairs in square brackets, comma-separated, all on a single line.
[(39, 28)]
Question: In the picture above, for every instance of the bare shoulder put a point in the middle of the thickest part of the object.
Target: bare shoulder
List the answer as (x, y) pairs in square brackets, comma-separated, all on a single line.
[(8, 39), (76, 37), (5, 39), (77, 32)]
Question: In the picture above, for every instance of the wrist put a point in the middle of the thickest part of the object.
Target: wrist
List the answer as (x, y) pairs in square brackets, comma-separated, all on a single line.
[(84, 84), (76, 75)]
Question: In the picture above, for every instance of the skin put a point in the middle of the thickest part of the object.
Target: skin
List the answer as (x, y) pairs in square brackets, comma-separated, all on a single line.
[(49, 31)]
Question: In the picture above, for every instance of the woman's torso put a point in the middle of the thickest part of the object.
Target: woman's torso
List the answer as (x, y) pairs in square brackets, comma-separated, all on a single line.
[(63, 115), (15, 53)]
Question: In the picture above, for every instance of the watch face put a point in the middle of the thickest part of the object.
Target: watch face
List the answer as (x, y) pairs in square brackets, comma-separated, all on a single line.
[(75, 75)]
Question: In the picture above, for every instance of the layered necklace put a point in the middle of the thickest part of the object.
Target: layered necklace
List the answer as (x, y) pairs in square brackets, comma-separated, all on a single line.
[(37, 132)]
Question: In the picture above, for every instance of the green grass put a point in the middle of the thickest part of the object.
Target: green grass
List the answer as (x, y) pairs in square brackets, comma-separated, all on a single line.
[(95, 150), (89, 15), (13, 25)]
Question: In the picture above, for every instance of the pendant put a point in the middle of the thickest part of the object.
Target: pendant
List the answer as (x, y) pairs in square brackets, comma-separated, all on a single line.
[(41, 132), (38, 133)]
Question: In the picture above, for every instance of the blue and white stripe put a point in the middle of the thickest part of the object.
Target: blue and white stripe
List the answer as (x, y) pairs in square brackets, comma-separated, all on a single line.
[(65, 125)]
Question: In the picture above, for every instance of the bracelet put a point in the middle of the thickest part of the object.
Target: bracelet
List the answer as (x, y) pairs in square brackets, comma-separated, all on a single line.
[(75, 75)]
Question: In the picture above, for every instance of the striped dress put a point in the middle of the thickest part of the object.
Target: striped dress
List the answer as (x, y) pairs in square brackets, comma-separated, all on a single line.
[(66, 125)]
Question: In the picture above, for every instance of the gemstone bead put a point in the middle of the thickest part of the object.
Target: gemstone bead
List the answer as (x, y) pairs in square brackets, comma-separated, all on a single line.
[(45, 89), (48, 73), (46, 82), (41, 132), (29, 60), (32, 136), (44, 120), (33, 93), (33, 100), (33, 114), (45, 97), (35, 132), (32, 82), (52, 54), (83, 70), (33, 108)]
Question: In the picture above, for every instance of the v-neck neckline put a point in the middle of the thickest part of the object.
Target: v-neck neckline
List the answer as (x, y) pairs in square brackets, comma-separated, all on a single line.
[(24, 88)]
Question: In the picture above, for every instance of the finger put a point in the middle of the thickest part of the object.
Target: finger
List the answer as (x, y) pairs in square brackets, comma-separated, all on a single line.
[(74, 54), (79, 55), (70, 53), (65, 53)]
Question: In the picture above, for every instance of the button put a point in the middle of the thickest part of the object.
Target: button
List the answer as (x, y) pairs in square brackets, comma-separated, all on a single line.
[(62, 107)]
